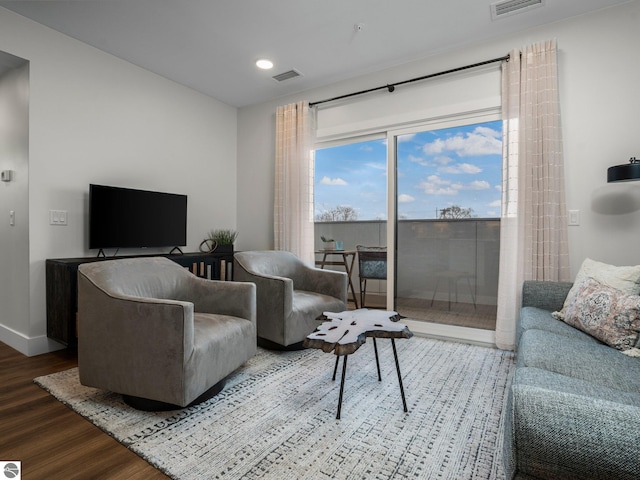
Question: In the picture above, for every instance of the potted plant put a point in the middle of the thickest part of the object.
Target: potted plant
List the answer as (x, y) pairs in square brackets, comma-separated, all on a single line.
[(220, 240), (329, 243)]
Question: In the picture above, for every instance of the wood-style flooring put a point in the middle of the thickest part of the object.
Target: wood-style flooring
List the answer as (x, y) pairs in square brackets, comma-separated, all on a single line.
[(50, 440)]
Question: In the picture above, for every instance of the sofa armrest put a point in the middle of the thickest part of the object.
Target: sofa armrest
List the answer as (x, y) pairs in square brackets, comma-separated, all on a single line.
[(237, 299), (546, 295), (557, 434)]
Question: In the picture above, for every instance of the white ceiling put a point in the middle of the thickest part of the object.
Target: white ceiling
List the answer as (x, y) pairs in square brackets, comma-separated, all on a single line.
[(212, 45)]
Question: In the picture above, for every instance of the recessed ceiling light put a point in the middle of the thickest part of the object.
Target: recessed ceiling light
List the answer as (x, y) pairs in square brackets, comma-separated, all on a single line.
[(264, 64)]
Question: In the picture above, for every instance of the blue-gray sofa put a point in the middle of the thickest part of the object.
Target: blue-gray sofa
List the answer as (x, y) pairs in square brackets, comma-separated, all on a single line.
[(573, 410)]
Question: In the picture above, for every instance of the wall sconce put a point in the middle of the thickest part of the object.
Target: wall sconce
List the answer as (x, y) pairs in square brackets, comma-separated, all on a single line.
[(625, 172), (6, 175)]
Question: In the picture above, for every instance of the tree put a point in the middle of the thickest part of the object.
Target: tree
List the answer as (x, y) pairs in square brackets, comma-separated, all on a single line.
[(455, 211), (341, 213)]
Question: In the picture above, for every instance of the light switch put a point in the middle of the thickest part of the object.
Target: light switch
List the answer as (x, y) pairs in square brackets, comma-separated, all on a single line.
[(57, 217), (12, 217), (574, 217)]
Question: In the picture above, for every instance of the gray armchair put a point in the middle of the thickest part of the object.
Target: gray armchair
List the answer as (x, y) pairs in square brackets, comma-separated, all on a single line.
[(290, 295), (159, 335)]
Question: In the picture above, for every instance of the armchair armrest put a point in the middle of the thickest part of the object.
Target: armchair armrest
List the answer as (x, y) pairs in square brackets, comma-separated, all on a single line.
[(237, 299), (326, 282), (273, 293)]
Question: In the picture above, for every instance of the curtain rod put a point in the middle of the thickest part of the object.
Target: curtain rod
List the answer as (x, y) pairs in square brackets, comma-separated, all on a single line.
[(391, 87)]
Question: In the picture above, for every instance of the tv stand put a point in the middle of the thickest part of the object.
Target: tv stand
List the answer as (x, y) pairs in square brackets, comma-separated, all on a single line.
[(62, 286), (174, 249)]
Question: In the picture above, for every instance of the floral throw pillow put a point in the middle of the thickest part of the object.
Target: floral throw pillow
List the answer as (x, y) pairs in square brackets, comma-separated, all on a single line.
[(626, 279), (605, 313)]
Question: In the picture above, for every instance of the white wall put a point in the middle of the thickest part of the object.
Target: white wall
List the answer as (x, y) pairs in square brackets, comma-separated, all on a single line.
[(14, 196), (600, 101), (96, 119)]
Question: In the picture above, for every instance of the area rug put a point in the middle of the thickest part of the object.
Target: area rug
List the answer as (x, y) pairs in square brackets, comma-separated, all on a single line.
[(275, 419)]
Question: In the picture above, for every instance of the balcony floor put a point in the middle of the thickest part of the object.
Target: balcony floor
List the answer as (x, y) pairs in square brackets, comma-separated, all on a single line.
[(459, 314)]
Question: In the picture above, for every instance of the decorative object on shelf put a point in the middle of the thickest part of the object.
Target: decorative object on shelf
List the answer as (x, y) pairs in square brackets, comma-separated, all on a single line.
[(329, 243), (625, 172), (220, 240)]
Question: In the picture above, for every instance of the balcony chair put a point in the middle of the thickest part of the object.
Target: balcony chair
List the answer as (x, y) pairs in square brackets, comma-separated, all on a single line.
[(290, 295), (372, 265), (157, 334)]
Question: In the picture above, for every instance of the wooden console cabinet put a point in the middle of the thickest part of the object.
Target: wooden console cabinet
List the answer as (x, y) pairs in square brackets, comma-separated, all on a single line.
[(62, 286)]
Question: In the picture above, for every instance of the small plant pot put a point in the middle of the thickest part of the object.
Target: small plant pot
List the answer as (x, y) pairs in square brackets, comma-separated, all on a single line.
[(329, 245), (227, 248)]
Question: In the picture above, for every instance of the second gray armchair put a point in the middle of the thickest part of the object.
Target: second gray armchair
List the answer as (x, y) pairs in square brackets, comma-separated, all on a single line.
[(290, 295)]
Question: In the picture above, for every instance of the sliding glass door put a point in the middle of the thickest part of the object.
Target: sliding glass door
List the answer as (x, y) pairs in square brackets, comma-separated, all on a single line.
[(432, 196), (447, 227), (350, 207)]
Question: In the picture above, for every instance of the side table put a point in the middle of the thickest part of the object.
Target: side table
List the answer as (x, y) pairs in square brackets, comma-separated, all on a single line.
[(344, 332), (346, 263)]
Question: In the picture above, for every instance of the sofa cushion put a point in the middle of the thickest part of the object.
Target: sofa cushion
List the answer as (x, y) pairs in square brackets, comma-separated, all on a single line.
[(625, 279), (532, 318), (606, 313), (593, 363), (548, 380)]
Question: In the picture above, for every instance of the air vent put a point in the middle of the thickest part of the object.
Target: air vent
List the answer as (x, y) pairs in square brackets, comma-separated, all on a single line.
[(287, 75), (510, 7)]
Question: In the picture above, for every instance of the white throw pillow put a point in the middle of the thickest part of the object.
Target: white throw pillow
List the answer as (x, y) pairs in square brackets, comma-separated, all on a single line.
[(625, 279)]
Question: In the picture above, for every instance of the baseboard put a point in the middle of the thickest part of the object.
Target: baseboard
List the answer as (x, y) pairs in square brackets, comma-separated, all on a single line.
[(29, 346)]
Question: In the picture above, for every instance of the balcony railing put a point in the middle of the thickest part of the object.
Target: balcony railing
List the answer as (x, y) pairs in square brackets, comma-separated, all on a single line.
[(446, 270)]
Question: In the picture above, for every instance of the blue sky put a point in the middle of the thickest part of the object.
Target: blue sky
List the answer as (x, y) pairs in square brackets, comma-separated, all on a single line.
[(436, 169)]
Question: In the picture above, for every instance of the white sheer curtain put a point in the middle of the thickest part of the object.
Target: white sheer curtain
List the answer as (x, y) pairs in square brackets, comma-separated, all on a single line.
[(533, 228), (293, 205)]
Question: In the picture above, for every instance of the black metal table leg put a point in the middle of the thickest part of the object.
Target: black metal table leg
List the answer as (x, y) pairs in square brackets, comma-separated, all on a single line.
[(335, 369), (375, 347), (344, 373), (395, 355)]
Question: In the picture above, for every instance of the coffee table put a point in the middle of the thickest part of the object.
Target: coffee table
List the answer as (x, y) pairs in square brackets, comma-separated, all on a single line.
[(344, 332)]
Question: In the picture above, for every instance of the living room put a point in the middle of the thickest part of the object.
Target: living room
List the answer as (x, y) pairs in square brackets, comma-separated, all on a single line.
[(93, 118)]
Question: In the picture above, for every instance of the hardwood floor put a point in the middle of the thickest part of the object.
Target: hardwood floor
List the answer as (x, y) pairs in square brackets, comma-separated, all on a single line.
[(50, 440)]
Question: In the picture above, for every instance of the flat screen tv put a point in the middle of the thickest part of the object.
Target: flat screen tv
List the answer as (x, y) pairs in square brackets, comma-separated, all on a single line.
[(128, 218)]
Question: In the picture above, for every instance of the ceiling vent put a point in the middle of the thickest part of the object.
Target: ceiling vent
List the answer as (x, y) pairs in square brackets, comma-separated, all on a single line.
[(287, 75), (511, 7)]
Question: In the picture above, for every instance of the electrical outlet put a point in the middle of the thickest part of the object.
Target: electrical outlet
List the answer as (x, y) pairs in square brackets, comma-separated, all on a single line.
[(57, 217)]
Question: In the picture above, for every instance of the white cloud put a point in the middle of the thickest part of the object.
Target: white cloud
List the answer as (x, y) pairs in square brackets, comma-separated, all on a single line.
[(434, 185), (443, 160), (404, 198), (406, 138), (495, 203), (479, 185), (419, 160), (377, 166), (475, 185), (482, 141), (461, 168), (333, 181)]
